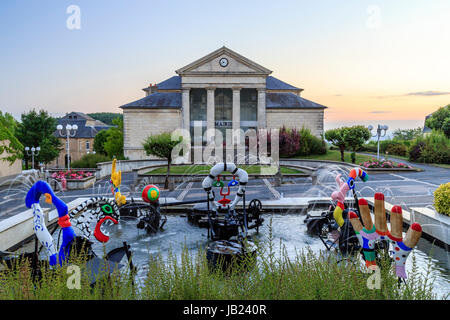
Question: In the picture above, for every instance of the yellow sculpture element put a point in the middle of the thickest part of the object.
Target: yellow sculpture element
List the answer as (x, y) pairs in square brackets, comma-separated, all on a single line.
[(116, 178)]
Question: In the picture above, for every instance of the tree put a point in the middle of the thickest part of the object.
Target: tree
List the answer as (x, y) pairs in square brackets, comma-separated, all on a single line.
[(407, 134), (438, 119), (48, 153), (11, 146), (114, 140), (336, 137), (106, 117), (355, 137), (161, 146), (99, 142), (34, 129)]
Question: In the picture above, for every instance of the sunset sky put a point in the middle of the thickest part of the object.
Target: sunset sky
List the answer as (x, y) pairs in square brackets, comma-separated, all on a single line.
[(370, 62)]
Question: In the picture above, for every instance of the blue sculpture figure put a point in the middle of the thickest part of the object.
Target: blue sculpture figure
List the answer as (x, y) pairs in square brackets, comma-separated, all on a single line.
[(32, 201)]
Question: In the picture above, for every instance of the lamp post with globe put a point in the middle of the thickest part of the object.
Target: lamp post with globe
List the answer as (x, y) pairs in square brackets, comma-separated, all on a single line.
[(381, 132), (70, 131), (34, 152)]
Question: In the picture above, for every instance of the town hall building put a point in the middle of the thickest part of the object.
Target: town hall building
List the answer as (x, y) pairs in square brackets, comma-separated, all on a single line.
[(222, 90)]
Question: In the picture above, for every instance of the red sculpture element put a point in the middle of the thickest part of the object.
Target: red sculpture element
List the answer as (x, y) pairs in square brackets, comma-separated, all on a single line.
[(99, 235)]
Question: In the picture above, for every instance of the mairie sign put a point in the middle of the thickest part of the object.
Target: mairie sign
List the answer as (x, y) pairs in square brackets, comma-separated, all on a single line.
[(223, 123)]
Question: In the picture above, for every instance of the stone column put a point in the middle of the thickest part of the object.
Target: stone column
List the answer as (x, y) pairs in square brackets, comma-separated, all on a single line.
[(236, 108), (185, 107), (210, 108), (261, 108)]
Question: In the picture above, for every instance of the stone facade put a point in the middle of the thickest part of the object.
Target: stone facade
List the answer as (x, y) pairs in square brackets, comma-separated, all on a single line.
[(78, 148), (311, 119), (223, 90), (81, 141), (8, 169), (140, 123)]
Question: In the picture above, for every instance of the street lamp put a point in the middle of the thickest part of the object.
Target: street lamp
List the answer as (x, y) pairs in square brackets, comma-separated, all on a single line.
[(381, 132), (70, 131), (34, 152)]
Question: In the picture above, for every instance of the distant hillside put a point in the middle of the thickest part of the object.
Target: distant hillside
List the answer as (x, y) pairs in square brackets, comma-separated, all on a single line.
[(106, 117)]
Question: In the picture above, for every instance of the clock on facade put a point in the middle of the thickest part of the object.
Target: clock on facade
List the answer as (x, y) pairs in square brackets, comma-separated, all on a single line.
[(223, 62)]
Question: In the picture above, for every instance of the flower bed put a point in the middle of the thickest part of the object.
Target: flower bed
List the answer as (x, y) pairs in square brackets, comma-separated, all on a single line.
[(74, 179), (71, 175), (383, 164)]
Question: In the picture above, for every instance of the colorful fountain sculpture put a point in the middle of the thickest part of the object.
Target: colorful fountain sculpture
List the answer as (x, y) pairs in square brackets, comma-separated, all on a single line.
[(229, 245), (70, 241), (369, 234), (32, 201)]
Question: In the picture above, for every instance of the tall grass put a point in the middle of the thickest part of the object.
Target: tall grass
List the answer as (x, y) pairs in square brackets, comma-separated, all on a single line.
[(272, 275)]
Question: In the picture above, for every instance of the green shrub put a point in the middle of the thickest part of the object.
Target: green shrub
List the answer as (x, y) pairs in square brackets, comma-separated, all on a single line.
[(310, 144), (90, 161), (398, 149), (415, 151), (442, 199), (433, 148), (370, 146)]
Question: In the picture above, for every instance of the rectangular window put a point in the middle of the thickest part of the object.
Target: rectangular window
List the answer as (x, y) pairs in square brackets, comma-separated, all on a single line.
[(249, 109), (197, 106), (88, 145)]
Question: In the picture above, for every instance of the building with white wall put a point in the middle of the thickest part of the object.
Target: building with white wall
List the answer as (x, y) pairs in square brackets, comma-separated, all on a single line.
[(222, 90)]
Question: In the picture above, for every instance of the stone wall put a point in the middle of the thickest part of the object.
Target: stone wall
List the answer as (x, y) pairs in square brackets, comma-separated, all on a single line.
[(141, 123), (6, 168), (77, 150), (296, 118)]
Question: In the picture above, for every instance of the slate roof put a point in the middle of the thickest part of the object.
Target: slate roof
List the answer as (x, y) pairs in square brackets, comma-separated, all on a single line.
[(289, 100), (78, 115), (273, 83), (157, 100), (173, 83)]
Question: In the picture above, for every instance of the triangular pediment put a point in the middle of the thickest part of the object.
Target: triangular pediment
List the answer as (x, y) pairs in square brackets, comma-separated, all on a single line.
[(232, 63)]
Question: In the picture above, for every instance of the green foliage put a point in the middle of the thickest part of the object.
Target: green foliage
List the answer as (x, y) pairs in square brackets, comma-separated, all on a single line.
[(12, 146), (106, 117), (90, 160), (310, 144), (114, 140), (36, 129), (432, 148), (273, 275), (416, 148), (161, 146), (446, 127), (348, 137), (48, 153), (355, 137), (99, 141), (396, 148), (439, 120), (407, 134), (442, 199), (336, 137)]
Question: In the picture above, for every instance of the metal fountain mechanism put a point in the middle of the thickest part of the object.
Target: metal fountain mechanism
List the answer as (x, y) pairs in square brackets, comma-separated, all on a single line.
[(223, 229), (228, 226)]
